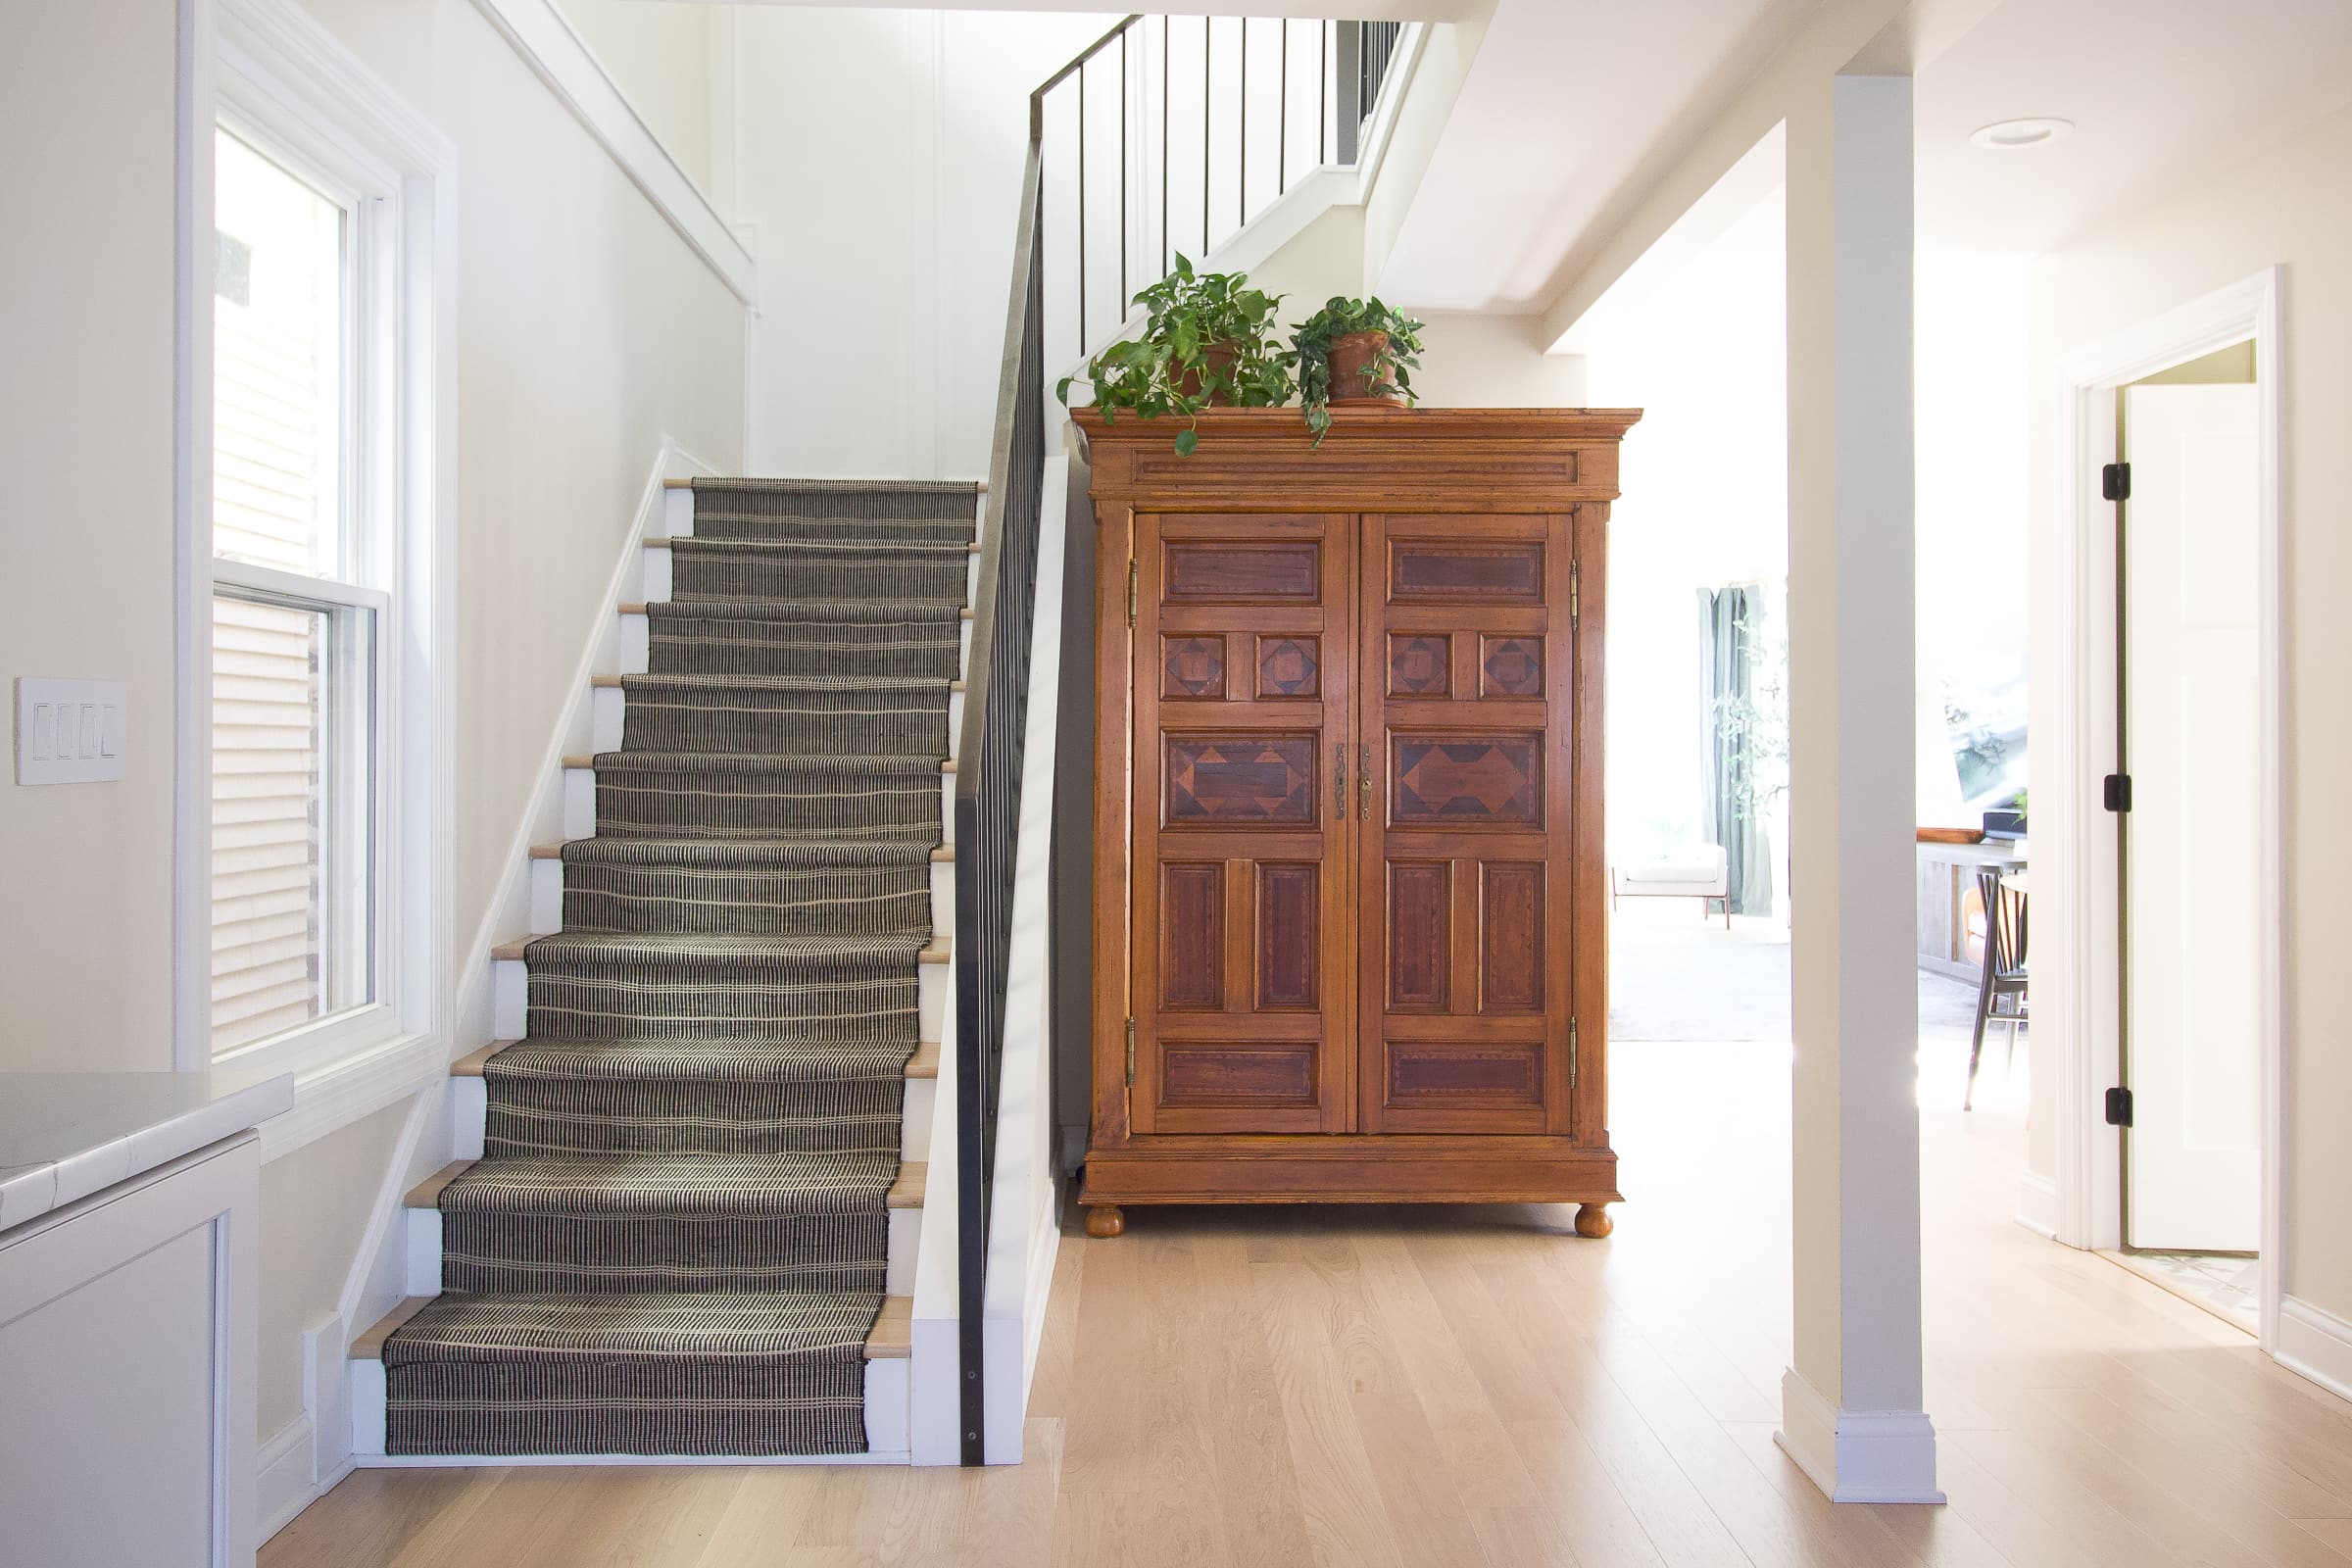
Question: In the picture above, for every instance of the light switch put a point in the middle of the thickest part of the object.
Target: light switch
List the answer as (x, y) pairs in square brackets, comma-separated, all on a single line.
[(70, 732)]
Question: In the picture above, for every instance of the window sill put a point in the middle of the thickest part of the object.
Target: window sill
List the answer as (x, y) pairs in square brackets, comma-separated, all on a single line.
[(333, 1092)]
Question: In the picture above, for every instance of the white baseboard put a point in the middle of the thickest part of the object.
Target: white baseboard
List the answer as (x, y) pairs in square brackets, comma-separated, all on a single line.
[(2316, 1342), (2037, 1203), (1857, 1456), (282, 1484)]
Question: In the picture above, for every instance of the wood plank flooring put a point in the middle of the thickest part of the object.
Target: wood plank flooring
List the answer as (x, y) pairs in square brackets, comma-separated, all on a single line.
[(1479, 1389)]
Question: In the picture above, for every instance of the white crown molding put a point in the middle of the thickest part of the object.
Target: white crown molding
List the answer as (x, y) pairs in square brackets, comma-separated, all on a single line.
[(563, 61)]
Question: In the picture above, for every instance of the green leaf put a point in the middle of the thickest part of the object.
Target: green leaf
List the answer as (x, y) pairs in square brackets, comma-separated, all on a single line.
[(1187, 443)]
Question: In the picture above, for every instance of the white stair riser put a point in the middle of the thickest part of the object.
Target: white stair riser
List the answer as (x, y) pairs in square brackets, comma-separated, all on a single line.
[(889, 1399), (636, 644), (677, 512), (947, 807), (656, 574), (931, 1002), (421, 1241), (579, 802), (610, 708)]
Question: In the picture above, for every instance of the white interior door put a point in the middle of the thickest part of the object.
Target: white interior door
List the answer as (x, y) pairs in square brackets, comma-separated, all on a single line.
[(2191, 701)]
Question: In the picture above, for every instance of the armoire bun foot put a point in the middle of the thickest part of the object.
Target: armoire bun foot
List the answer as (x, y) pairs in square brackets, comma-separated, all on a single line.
[(1104, 1220), (1592, 1220)]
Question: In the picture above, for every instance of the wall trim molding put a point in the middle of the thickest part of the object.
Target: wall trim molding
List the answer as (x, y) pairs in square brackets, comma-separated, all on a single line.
[(2316, 1344), (561, 58), (1857, 1456), (2037, 1203), (282, 1482), (2076, 849)]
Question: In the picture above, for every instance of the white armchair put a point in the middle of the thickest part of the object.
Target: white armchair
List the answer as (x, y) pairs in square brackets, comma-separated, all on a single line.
[(1700, 871)]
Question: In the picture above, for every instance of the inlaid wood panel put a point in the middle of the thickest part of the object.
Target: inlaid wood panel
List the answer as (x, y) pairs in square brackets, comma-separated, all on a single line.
[(1420, 944), (1245, 761), (1510, 937), (1192, 962), (1420, 666), (1510, 666), (1438, 571), (1192, 666), (1466, 1008), (1467, 780), (1290, 929), (1243, 571), (1237, 1073), (1216, 780), (1290, 666)]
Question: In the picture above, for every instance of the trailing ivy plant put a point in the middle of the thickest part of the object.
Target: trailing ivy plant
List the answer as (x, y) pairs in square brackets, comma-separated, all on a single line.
[(1206, 332), (1311, 355)]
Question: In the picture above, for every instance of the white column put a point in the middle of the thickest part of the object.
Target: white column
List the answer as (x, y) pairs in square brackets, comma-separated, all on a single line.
[(1851, 1407)]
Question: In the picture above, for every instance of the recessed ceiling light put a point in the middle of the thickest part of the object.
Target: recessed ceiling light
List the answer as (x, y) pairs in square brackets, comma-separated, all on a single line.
[(2009, 134)]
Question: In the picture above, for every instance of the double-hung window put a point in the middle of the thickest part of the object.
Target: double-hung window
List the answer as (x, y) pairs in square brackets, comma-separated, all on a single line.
[(314, 888), (301, 601)]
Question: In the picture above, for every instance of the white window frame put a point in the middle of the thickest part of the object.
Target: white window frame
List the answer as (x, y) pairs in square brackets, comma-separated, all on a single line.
[(267, 72)]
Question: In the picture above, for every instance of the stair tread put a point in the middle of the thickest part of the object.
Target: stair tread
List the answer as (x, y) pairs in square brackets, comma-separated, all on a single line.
[(576, 1316), (813, 851), (723, 607), (739, 482), (657, 946), (923, 1063), (774, 683), (942, 853), (899, 766), (867, 547), (656, 1185), (658, 1058)]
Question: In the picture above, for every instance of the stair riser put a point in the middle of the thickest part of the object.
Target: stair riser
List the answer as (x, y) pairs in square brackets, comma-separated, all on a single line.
[(546, 893), (421, 1244), (856, 820), (608, 726), (861, 900), (511, 989), (888, 1414), (637, 657), (469, 1117), (854, 722)]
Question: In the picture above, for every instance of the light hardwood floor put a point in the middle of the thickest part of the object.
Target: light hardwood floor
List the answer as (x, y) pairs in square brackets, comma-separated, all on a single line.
[(1479, 1389)]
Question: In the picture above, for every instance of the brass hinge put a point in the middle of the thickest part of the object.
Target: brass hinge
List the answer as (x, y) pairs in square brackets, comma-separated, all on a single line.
[(1576, 585), (1131, 580), (1572, 1052), (1131, 1050)]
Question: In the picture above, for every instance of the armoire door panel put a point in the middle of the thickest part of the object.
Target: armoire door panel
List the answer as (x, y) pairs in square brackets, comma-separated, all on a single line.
[(1243, 757), (1467, 921)]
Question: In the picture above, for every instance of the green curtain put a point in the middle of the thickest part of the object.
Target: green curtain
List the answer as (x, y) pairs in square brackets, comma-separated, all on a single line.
[(1730, 622)]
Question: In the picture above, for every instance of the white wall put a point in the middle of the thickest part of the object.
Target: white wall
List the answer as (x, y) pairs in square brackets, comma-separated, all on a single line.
[(2291, 205), (586, 331), (879, 157), (670, 60)]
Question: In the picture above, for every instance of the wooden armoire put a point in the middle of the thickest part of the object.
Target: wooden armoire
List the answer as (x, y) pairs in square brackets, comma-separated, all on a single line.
[(1349, 889)]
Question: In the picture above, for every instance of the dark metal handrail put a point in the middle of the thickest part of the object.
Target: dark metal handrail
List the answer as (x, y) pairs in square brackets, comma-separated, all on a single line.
[(996, 713)]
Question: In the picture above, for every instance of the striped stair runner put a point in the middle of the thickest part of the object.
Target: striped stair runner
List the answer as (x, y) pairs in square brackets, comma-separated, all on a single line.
[(676, 1240)]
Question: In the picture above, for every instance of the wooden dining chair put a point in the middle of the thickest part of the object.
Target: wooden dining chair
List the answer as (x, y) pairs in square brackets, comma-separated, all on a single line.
[(2003, 974)]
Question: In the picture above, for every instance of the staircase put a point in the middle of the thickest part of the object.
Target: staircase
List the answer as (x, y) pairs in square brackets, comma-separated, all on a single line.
[(691, 1227)]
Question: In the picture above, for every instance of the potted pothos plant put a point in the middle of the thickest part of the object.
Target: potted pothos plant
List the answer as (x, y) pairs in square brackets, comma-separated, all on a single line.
[(1207, 342), (1354, 351)]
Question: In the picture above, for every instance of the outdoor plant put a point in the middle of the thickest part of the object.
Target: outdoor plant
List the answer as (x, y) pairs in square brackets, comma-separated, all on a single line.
[(1375, 350), (1207, 341)]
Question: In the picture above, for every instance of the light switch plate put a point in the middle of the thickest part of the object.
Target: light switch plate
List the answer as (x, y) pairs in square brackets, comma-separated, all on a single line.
[(69, 731)]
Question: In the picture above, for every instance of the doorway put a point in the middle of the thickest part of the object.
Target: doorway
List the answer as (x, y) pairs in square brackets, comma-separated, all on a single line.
[(2185, 806), (2159, 934)]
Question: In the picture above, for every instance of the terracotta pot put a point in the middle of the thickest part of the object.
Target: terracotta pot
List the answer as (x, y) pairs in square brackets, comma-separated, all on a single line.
[(1216, 359), (1351, 357)]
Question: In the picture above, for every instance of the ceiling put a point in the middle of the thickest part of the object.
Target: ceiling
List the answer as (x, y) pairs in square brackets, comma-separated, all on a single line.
[(2160, 91), (1570, 106)]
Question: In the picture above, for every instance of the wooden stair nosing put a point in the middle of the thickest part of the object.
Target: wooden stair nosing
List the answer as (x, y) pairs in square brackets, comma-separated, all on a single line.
[(892, 1337), (980, 485), (904, 1193), (514, 950), (585, 762), (924, 1063)]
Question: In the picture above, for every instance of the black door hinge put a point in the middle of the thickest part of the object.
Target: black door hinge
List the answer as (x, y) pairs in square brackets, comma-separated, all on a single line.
[(2118, 793), (2119, 1107), (2115, 482)]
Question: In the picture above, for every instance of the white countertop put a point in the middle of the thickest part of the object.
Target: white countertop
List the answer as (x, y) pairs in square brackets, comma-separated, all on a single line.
[(66, 1135)]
